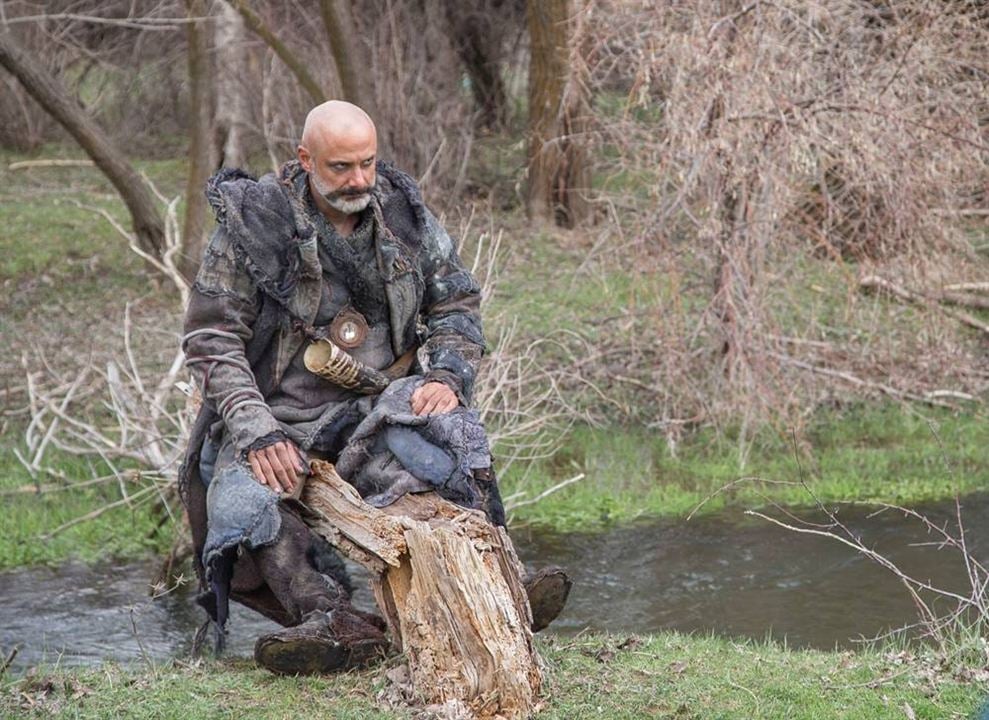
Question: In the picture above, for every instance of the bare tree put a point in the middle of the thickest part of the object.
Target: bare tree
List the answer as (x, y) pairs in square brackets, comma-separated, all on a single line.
[(559, 176), (231, 78), (478, 29), (292, 61), (417, 78), (200, 123), (348, 56), (772, 160), (51, 95)]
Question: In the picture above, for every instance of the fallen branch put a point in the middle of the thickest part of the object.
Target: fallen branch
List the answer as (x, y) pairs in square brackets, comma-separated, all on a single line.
[(969, 612), (874, 282), (931, 398), (26, 164), (8, 660), (968, 287), (962, 212), (869, 553), (33, 489), (954, 298), (545, 493), (97, 512)]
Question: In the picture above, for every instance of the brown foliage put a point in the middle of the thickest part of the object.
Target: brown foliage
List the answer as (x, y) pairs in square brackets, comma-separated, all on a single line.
[(754, 137)]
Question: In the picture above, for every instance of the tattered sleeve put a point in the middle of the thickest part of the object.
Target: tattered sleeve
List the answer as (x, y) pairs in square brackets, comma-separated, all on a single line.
[(222, 309), (454, 341)]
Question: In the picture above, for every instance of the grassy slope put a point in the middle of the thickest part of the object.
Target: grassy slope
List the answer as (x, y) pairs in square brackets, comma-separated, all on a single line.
[(669, 676), (66, 276)]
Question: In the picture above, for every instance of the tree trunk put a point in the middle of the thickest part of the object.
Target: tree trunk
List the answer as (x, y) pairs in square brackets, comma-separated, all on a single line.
[(200, 120), (559, 176), (476, 41), (149, 227), (298, 68), (348, 54), (449, 585), (232, 106)]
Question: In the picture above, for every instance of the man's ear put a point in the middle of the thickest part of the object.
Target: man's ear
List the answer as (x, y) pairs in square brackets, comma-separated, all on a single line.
[(305, 159)]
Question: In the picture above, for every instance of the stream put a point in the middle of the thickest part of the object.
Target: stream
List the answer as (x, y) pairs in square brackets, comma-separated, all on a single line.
[(723, 573)]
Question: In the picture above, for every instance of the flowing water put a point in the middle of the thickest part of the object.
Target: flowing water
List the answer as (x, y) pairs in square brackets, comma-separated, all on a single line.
[(722, 573)]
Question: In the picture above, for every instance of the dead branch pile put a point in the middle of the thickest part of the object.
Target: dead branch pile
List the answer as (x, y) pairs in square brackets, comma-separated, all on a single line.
[(768, 155)]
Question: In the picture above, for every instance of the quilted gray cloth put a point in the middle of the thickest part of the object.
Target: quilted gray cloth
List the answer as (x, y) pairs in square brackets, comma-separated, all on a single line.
[(393, 452), (240, 510)]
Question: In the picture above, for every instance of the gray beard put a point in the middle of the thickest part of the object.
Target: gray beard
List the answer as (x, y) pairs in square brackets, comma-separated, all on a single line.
[(341, 203), (348, 206)]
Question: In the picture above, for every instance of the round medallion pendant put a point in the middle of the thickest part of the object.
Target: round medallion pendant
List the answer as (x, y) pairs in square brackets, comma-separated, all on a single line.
[(349, 329)]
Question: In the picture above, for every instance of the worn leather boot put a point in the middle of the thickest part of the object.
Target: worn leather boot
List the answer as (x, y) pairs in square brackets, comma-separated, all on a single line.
[(324, 642), (547, 589)]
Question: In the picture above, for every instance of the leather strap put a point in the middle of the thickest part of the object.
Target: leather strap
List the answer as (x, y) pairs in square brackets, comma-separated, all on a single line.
[(400, 368)]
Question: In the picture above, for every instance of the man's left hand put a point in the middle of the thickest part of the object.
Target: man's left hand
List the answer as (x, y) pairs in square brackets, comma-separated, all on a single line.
[(433, 397)]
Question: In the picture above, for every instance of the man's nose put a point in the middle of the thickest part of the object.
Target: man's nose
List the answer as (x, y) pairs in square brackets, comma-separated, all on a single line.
[(355, 178)]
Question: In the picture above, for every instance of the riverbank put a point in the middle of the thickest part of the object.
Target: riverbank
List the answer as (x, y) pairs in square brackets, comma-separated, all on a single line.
[(597, 676), (880, 452), (868, 453)]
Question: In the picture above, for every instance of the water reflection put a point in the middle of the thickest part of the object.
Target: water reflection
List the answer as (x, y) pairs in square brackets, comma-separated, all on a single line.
[(741, 576)]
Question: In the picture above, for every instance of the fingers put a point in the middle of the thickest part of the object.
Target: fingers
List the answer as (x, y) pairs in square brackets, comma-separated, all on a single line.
[(277, 465), (451, 403), (288, 464), (267, 476), (433, 397), (298, 462), (281, 464), (419, 400), (252, 458)]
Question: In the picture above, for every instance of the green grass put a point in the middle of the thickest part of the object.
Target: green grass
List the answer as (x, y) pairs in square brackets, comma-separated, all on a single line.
[(867, 452), (863, 453), (66, 275), (665, 676), (55, 250), (29, 518), (541, 292)]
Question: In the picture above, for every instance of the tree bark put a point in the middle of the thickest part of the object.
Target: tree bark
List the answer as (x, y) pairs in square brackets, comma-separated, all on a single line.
[(348, 55), (476, 41), (200, 122), (559, 176), (147, 222), (449, 585), (298, 68), (232, 106)]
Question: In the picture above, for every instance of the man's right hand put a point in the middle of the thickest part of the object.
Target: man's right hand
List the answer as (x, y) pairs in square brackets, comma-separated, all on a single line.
[(277, 465)]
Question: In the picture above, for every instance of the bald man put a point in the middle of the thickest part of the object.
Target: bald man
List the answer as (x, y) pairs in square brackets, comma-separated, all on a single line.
[(335, 249)]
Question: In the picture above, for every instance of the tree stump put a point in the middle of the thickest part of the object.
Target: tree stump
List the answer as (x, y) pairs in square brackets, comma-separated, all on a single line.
[(449, 585)]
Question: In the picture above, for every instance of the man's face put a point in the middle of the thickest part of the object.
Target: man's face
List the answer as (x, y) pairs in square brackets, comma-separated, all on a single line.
[(341, 170)]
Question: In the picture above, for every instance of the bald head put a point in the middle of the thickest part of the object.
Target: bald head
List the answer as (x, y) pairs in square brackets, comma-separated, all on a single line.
[(336, 122), (338, 149)]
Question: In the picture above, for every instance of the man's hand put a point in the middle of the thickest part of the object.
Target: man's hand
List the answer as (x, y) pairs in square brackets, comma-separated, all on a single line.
[(277, 465), (433, 397)]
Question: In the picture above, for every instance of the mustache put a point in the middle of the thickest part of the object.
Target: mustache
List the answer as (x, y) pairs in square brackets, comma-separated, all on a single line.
[(352, 193)]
